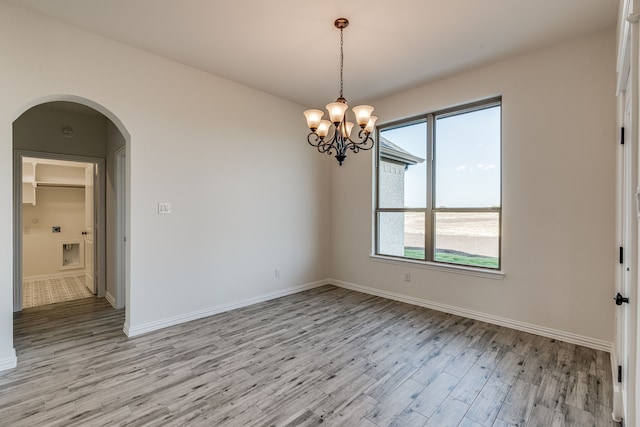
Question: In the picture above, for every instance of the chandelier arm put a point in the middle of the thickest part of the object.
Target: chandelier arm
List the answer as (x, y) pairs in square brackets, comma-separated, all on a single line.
[(338, 143), (326, 148), (327, 145), (316, 141), (357, 147), (365, 143), (322, 145)]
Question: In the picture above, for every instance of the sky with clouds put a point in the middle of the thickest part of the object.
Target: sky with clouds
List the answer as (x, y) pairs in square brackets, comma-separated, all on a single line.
[(467, 160)]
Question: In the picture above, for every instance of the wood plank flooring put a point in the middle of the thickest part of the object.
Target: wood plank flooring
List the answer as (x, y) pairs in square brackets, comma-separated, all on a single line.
[(327, 356)]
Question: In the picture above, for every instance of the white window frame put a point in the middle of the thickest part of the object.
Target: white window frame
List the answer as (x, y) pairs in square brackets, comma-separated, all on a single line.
[(430, 211)]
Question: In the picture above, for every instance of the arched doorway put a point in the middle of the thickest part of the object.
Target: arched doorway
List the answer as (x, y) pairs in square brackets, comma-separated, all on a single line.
[(70, 128)]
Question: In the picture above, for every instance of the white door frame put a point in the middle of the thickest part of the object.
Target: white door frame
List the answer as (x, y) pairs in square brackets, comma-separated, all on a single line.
[(625, 351), (99, 206), (89, 230), (120, 188), (627, 271)]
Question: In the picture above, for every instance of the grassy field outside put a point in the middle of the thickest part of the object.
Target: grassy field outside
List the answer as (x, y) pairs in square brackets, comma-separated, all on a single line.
[(454, 257), (463, 238)]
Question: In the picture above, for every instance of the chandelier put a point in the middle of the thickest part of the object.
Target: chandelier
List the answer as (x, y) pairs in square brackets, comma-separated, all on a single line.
[(341, 139)]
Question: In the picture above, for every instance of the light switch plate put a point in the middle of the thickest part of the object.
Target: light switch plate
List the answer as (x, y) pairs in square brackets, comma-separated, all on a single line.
[(164, 208)]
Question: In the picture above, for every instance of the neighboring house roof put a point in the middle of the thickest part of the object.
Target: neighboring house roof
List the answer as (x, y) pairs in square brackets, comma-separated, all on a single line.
[(391, 151)]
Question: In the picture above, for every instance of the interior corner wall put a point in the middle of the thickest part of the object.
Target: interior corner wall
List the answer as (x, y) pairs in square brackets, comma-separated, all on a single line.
[(247, 197), (558, 186)]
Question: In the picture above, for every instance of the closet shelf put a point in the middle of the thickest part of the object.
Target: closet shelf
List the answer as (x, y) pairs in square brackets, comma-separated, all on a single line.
[(58, 184), (47, 174)]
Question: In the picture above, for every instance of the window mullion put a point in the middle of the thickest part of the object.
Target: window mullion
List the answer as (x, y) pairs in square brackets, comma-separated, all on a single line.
[(429, 226)]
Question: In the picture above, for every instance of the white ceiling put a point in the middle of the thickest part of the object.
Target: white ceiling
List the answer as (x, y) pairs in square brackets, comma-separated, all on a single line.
[(290, 48)]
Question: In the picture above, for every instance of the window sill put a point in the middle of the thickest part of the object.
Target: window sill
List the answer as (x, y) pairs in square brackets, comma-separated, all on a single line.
[(457, 269)]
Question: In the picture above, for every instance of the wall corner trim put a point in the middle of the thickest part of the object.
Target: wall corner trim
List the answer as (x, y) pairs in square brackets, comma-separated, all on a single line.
[(111, 299), (132, 331), (484, 317), (9, 362)]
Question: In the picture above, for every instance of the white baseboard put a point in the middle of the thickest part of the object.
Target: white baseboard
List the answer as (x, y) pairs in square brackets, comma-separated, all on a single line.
[(111, 299), (132, 331), (9, 362), (55, 275), (619, 400), (484, 317)]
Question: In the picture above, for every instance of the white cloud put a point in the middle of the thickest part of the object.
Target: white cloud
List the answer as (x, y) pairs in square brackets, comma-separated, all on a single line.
[(485, 167)]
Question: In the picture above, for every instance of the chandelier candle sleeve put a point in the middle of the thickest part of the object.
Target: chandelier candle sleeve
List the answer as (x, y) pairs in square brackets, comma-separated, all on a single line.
[(341, 139)]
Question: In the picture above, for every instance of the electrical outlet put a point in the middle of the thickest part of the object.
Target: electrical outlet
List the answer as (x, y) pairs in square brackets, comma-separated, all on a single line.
[(407, 277), (277, 273), (55, 229)]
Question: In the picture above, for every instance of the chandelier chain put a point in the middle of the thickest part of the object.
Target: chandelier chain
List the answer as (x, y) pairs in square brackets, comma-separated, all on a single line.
[(341, 62)]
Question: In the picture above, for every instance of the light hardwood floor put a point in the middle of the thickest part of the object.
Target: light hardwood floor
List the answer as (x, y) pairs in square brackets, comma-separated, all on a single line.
[(326, 356)]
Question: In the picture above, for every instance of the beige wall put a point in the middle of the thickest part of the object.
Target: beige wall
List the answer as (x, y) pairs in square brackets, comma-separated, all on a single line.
[(559, 142), (248, 194), (56, 206)]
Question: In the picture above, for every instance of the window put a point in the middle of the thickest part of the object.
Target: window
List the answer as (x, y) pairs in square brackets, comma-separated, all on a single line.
[(439, 187)]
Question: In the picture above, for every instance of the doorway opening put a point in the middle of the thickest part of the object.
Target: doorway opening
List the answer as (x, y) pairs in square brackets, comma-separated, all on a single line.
[(70, 205), (57, 230)]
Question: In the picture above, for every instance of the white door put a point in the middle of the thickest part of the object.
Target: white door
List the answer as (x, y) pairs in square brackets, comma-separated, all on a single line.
[(89, 229), (627, 211)]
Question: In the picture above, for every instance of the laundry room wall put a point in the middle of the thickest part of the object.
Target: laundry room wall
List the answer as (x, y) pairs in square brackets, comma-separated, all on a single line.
[(55, 207)]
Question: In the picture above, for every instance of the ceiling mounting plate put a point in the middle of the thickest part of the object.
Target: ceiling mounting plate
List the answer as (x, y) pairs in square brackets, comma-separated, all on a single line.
[(341, 23)]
